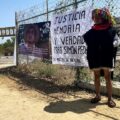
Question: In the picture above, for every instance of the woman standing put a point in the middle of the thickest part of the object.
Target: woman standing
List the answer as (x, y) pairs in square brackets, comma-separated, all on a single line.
[(101, 44)]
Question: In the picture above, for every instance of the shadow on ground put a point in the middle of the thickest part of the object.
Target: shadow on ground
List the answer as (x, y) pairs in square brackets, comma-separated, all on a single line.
[(77, 106), (46, 86)]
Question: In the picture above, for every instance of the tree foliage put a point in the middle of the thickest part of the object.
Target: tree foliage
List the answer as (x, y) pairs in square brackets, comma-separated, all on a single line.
[(7, 47)]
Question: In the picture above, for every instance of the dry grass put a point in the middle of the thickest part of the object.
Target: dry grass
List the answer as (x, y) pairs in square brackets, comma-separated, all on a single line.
[(117, 71), (61, 75), (58, 74)]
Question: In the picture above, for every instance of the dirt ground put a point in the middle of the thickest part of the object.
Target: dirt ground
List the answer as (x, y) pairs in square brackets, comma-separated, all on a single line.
[(23, 101)]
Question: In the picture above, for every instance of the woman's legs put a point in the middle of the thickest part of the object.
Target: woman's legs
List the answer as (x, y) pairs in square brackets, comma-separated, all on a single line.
[(107, 75), (97, 86), (97, 82)]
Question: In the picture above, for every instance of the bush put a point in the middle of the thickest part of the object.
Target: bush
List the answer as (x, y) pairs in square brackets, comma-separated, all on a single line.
[(117, 71), (59, 74), (47, 71)]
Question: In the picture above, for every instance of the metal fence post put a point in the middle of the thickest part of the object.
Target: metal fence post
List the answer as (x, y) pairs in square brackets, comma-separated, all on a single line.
[(47, 9), (93, 3), (76, 4), (77, 68), (16, 25), (49, 44)]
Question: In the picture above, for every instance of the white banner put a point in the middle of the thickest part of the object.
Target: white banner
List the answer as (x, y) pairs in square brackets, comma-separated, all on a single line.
[(68, 46)]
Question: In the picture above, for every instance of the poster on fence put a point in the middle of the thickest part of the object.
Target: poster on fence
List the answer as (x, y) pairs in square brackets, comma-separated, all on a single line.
[(33, 39), (68, 46)]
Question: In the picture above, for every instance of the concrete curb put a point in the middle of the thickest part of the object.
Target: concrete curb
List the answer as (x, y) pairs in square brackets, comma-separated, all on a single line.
[(90, 86)]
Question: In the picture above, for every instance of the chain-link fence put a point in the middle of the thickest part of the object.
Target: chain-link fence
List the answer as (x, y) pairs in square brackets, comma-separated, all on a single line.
[(47, 8)]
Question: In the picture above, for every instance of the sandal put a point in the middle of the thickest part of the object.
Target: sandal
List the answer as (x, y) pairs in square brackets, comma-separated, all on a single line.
[(95, 100), (111, 103)]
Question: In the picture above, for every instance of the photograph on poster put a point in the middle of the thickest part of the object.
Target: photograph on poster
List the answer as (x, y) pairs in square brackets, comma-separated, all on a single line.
[(33, 39)]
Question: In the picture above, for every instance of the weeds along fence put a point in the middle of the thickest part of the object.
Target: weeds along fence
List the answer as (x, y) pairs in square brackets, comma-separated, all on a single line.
[(43, 12)]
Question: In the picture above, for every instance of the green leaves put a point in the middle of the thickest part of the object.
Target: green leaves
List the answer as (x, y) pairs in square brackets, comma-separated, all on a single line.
[(7, 47)]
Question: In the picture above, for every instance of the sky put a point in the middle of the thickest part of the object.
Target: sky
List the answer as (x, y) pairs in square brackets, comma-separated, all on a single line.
[(8, 9)]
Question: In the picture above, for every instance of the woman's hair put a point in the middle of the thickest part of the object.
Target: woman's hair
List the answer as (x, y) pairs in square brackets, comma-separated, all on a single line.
[(104, 14)]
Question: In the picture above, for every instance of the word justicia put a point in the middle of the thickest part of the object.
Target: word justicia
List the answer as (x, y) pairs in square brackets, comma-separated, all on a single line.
[(70, 17)]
